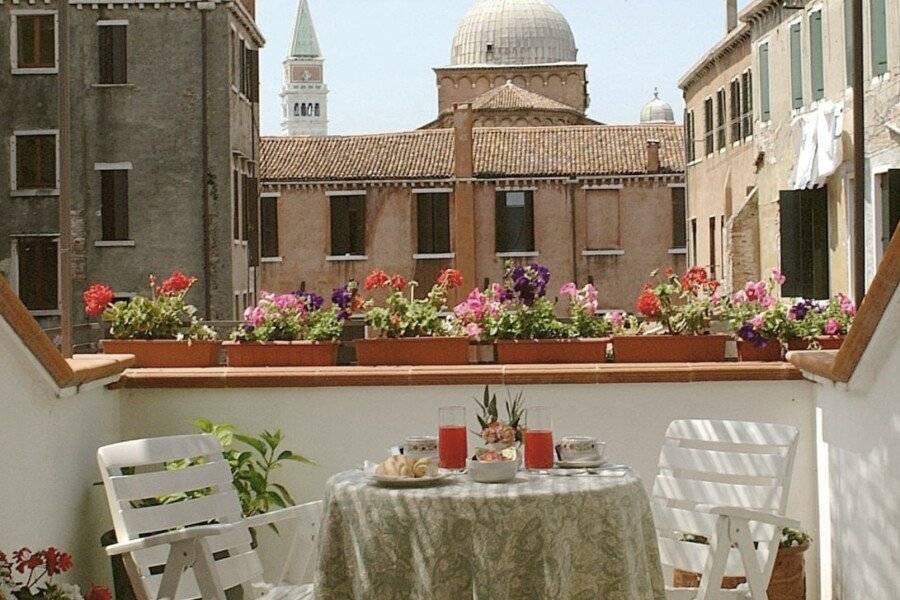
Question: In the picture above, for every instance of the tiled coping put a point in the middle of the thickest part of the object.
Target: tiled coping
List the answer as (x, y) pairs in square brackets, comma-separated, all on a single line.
[(455, 375)]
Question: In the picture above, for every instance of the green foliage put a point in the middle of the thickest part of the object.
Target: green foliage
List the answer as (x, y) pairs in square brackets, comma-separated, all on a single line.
[(403, 315), (518, 321), (687, 304), (515, 409), (163, 317)]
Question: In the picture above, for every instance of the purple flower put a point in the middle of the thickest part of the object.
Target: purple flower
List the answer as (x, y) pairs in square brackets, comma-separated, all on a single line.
[(528, 282), (799, 310), (748, 333), (312, 301)]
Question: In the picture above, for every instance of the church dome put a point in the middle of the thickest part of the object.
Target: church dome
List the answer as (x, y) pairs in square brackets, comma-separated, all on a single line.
[(657, 111), (513, 32)]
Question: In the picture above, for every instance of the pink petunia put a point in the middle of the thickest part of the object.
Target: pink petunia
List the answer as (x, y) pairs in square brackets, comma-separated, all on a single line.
[(832, 327), (569, 289), (778, 276), (473, 330), (616, 318), (758, 321)]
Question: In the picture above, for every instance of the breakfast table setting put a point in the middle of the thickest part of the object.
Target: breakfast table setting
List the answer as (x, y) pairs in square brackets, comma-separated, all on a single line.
[(520, 517)]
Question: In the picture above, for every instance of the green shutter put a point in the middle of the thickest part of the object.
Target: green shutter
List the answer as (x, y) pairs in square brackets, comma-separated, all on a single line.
[(815, 206), (879, 37), (817, 69), (340, 226), (253, 224), (891, 204), (500, 243), (425, 225), (796, 66), (440, 204), (529, 222), (848, 41), (791, 254), (358, 225), (764, 101)]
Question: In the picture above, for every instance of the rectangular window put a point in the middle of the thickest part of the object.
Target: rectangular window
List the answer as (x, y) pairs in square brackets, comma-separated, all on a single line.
[(514, 221), (712, 247), (879, 37), (709, 133), (747, 103), (721, 118), (35, 40), (251, 220), (433, 219), (694, 240), (804, 242), (848, 41), (890, 205), (252, 75), (113, 50), (236, 206), (690, 139), (735, 105), (35, 161), (765, 106), (348, 225), (816, 56), (796, 66), (38, 274), (679, 216), (268, 217), (603, 208), (114, 204)]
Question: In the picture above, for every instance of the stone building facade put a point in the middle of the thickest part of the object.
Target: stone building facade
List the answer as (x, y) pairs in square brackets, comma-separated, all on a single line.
[(776, 216), (164, 148)]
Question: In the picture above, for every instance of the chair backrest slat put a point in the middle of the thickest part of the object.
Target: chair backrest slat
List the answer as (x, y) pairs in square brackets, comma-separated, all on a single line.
[(163, 483), (691, 491), (733, 432), (219, 508), (723, 463), (155, 451), (673, 522)]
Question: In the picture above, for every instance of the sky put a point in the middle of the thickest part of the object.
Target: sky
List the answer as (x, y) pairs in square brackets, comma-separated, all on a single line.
[(379, 55)]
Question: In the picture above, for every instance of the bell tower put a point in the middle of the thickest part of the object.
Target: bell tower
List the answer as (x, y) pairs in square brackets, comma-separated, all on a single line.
[(304, 95)]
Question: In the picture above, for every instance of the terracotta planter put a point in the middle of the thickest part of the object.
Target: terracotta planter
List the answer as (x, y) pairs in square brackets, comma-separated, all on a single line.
[(412, 351), (748, 351), (827, 342), (536, 352), (281, 354), (481, 353), (669, 348), (788, 576), (166, 354)]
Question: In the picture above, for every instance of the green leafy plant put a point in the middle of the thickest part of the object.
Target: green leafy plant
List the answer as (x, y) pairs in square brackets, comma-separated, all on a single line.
[(493, 430), (682, 305), (290, 317), (522, 310), (403, 315)]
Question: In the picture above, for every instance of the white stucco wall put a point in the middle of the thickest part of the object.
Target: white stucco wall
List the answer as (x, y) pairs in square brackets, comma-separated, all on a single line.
[(861, 447), (49, 462), (341, 427)]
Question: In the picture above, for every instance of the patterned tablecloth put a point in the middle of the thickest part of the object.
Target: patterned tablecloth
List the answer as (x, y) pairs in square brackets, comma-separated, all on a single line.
[(538, 538)]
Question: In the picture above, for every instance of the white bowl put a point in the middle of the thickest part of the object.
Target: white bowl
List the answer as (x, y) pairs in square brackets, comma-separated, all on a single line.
[(499, 471)]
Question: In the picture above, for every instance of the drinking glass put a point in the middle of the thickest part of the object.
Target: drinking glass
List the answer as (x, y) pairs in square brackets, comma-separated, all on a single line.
[(452, 444), (539, 439)]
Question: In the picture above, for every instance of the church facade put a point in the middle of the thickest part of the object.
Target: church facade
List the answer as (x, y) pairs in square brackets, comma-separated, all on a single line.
[(511, 168)]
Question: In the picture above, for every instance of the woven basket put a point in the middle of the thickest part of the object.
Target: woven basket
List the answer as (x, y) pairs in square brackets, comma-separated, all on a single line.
[(788, 576)]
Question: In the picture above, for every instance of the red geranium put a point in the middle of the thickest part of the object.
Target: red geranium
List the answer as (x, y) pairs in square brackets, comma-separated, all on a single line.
[(177, 283), (376, 279), (450, 278), (56, 561), (398, 282), (694, 278), (648, 302), (98, 593), (96, 298)]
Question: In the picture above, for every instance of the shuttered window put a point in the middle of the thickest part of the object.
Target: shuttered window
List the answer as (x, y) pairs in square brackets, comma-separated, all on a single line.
[(236, 231), (816, 64), (35, 162), (712, 247), (114, 204), (765, 102), (603, 218), (268, 217), (890, 205), (796, 66), (735, 106), (694, 240), (848, 41), (433, 220), (690, 137), (804, 243), (113, 51), (709, 133), (35, 41), (252, 75), (679, 214), (251, 215), (720, 119), (514, 221), (879, 37), (348, 225), (747, 103), (38, 273)]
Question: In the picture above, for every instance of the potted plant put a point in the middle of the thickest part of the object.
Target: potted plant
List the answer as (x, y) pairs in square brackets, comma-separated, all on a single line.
[(682, 309), (287, 330), (161, 330), (788, 581), (36, 571), (821, 325), (759, 320), (411, 331), (497, 435)]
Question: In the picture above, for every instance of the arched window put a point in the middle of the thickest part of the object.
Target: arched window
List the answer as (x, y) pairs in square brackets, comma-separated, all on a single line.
[(317, 109), (303, 111), (296, 109), (309, 109)]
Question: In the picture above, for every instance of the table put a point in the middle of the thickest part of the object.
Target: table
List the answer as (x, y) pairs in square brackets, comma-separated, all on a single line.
[(540, 537)]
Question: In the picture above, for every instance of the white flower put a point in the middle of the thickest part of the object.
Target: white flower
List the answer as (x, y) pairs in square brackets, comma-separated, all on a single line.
[(70, 591)]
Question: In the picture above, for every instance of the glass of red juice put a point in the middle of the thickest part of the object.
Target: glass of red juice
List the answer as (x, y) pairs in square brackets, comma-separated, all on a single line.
[(538, 439), (453, 447)]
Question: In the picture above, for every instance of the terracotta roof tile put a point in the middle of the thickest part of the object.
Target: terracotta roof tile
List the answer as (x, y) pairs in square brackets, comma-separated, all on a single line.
[(499, 152), (512, 97)]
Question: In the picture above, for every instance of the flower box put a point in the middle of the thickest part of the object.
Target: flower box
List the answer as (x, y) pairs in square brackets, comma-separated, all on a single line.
[(412, 351), (165, 354), (669, 348), (569, 351), (281, 354), (770, 352), (826, 342)]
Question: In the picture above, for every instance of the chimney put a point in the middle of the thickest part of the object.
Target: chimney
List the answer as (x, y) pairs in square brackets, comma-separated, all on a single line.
[(731, 15), (463, 141), (653, 156)]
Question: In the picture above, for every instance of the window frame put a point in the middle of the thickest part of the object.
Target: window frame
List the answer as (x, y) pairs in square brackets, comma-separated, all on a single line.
[(101, 26), (14, 189), (810, 207), (353, 253), (682, 190), (721, 119), (735, 100), (15, 268), (500, 244), (433, 250), (14, 42), (709, 121), (265, 197), (690, 137), (747, 115), (101, 168)]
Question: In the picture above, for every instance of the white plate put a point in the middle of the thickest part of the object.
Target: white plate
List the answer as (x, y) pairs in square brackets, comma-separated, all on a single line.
[(407, 482), (580, 464)]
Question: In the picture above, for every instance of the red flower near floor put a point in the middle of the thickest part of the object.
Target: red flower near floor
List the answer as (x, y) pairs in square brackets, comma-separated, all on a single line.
[(98, 593), (376, 279), (648, 303), (450, 278), (398, 282), (177, 283), (96, 298), (56, 561)]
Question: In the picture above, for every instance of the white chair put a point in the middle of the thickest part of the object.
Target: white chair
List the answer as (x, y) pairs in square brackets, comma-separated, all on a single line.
[(728, 482), (169, 549)]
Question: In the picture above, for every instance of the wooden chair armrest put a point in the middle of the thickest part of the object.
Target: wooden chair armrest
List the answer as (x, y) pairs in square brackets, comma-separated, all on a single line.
[(168, 537), (747, 514)]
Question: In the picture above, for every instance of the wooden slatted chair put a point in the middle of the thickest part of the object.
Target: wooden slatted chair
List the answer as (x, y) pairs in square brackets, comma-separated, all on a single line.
[(728, 482), (201, 546)]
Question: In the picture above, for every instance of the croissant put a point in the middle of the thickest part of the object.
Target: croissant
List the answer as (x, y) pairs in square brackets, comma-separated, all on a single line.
[(421, 468)]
